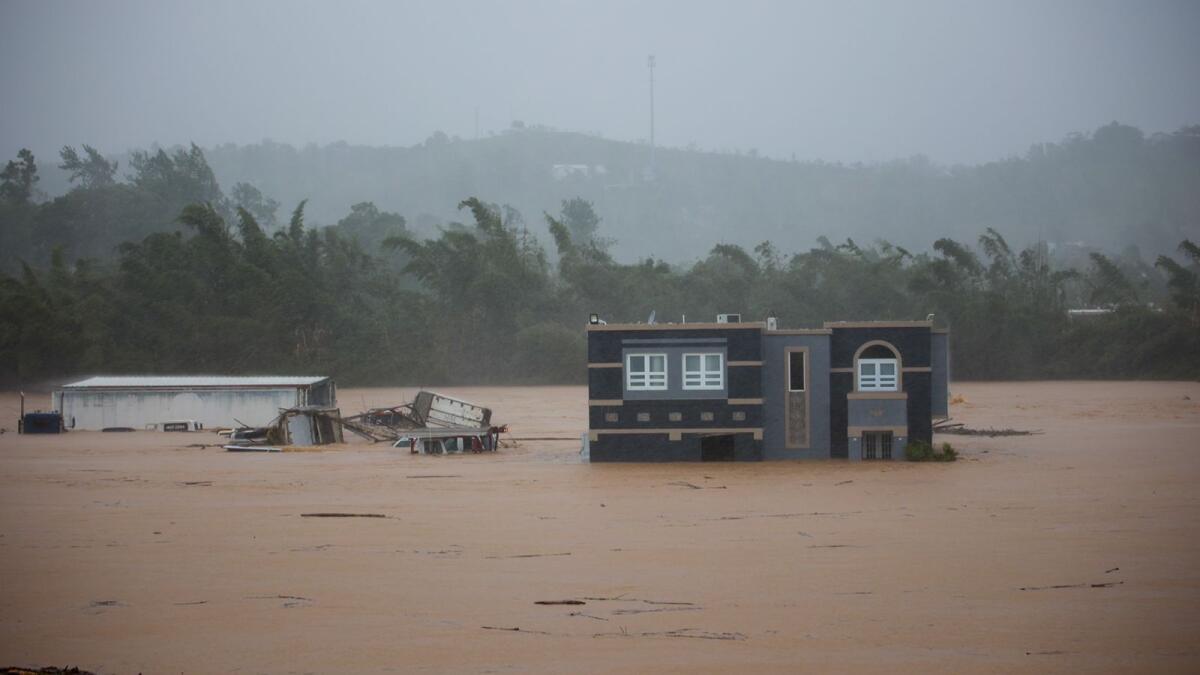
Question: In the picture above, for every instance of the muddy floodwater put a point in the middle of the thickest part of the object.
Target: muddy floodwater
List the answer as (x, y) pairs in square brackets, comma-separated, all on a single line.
[(1076, 549)]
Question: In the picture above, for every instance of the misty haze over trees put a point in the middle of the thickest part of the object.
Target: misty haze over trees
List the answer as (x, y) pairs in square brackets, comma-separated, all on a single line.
[(1105, 190), (160, 270)]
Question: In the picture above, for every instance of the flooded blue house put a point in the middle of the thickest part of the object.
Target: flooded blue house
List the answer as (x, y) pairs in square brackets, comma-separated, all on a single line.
[(751, 391)]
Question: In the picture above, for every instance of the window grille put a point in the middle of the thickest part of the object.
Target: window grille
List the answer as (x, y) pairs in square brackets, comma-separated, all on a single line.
[(877, 375), (646, 371), (703, 371), (877, 445)]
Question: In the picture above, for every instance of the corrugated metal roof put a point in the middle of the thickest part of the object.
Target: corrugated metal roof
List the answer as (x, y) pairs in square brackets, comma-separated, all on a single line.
[(173, 381)]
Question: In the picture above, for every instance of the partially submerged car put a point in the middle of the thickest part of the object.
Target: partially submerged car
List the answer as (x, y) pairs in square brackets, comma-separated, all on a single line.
[(447, 441)]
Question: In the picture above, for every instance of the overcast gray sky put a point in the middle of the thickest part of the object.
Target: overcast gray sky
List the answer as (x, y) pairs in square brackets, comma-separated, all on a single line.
[(846, 81)]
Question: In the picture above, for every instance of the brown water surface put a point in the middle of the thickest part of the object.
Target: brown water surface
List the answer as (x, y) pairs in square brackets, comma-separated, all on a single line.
[(1076, 549)]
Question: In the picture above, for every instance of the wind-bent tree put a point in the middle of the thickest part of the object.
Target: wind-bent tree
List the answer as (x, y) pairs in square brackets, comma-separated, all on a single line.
[(579, 216), (1184, 282), (1109, 285), (90, 171), (263, 208)]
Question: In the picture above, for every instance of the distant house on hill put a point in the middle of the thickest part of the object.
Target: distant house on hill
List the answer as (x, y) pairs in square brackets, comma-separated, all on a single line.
[(564, 171), (750, 391)]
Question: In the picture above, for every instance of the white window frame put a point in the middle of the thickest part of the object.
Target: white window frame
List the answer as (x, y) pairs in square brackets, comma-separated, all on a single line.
[(704, 378), (645, 380), (877, 381)]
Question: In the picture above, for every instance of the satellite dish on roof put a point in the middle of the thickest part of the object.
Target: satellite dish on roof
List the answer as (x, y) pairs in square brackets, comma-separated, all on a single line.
[(651, 319)]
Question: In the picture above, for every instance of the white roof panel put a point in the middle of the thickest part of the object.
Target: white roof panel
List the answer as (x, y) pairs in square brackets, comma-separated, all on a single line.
[(176, 381)]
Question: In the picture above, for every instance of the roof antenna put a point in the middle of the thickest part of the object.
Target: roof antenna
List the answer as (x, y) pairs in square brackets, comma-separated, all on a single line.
[(651, 319)]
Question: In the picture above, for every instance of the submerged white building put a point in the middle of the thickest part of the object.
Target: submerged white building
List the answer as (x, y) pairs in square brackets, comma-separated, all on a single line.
[(214, 401)]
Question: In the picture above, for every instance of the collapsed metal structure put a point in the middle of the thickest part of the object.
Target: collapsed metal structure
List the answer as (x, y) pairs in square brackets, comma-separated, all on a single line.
[(430, 423)]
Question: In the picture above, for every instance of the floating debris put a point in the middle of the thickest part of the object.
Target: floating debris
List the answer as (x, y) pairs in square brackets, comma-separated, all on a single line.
[(342, 515)]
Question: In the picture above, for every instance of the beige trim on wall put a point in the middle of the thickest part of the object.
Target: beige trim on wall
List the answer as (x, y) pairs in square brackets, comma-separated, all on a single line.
[(852, 432), (879, 324), (675, 326), (757, 431), (618, 364), (876, 395), (940, 331), (916, 369), (800, 331), (728, 401), (877, 343), (787, 352), (735, 364), (841, 370)]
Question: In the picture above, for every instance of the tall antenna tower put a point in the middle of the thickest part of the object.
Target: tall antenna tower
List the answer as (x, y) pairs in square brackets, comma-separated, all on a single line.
[(650, 65)]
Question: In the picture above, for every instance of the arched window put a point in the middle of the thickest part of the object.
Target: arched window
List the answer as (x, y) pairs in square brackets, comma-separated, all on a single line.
[(877, 367)]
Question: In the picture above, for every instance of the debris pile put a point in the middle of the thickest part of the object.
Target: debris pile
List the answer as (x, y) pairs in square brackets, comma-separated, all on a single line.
[(302, 426), (431, 423), (428, 410), (947, 426)]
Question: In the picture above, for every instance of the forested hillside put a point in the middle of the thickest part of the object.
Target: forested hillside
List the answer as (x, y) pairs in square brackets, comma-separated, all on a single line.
[(1106, 190), (369, 302), (1109, 189), (148, 265)]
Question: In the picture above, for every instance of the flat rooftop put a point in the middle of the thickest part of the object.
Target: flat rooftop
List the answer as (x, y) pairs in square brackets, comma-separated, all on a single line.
[(207, 381)]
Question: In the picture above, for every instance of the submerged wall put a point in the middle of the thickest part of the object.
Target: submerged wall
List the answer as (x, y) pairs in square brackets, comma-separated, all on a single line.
[(671, 424), (96, 410)]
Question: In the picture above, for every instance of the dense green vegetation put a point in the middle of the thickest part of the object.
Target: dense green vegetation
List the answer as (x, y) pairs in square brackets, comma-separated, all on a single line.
[(225, 291), (920, 451)]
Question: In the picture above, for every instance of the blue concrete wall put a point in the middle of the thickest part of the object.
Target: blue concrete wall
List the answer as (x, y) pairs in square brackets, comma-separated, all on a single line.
[(940, 385), (744, 344), (774, 387), (916, 349), (920, 420), (913, 342), (840, 384), (654, 409), (657, 448), (690, 413), (877, 412)]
